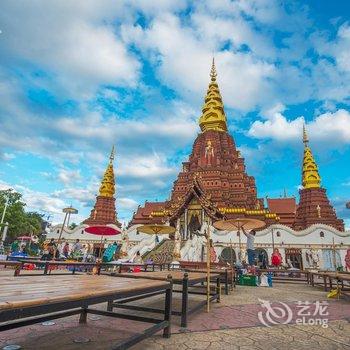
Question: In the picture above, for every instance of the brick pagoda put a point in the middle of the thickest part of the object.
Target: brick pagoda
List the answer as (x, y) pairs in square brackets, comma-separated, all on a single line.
[(314, 206), (104, 212), (213, 183)]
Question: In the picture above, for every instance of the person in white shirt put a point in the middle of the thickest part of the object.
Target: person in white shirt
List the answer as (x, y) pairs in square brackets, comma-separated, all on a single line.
[(250, 246)]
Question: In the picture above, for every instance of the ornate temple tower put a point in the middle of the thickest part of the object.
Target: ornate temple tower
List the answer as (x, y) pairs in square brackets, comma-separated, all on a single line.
[(216, 162), (213, 183), (104, 211), (314, 206)]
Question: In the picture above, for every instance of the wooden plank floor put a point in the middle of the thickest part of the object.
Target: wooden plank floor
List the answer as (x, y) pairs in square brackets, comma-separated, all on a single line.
[(24, 291)]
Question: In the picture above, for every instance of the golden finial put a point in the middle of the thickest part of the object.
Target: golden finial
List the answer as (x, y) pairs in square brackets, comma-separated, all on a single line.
[(111, 157), (107, 188), (213, 73), (305, 138), (310, 176), (213, 115)]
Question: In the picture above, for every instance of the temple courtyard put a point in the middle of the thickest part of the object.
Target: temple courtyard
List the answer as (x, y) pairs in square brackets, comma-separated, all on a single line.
[(232, 324)]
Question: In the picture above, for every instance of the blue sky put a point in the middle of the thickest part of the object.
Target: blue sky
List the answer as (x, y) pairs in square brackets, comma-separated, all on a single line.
[(79, 76)]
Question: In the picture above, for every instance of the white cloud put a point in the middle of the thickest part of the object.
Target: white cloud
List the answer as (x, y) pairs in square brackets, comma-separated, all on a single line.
[(181, 50), (150, 166), (68, 176), (337, 48), (127, 204), (75, 42), (330, 127), (85, 196), (83, 50), (4, 156), (38, 201), (277, 127)]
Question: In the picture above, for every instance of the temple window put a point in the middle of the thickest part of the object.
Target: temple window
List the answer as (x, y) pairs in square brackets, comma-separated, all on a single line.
[(278, 234), (82, 232), (58, 231), (321, 234)]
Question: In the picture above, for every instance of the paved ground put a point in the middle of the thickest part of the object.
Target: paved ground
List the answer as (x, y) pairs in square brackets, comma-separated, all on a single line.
[(232, 324)]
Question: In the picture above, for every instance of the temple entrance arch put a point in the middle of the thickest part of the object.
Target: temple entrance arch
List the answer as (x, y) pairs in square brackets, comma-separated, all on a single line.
[(194, 224), (261, 258), (228, 255)]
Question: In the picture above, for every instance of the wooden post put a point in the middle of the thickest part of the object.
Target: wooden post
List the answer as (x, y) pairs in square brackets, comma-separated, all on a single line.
[(168, 308), (100, 252), (231, 255), (218, 290), (208, 268), (239, 245), (83, 315), (184, 306), (334, 257)]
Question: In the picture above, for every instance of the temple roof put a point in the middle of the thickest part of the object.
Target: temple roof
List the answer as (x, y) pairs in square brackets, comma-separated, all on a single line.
[(310, 176), (150, 213), (282, 205), (149, 208), (213, 115)]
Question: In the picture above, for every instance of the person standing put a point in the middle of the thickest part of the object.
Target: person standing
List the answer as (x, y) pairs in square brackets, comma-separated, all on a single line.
[(65, 250), (52, 248), (250, 246), (76, 246)]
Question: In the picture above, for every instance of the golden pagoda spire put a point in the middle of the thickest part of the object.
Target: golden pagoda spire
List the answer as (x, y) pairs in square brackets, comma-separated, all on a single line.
[(310, 177), (111, 157), (305, 138), (107, 188), (213, 115)]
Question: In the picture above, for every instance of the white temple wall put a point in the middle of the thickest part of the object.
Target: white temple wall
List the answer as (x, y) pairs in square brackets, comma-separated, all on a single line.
[(311, 238)]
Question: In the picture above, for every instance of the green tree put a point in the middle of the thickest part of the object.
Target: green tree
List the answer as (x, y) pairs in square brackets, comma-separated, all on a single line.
[(20, 221)]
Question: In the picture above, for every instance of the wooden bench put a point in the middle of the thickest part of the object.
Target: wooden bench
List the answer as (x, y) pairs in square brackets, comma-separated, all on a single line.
[(183, 279), (9, 263), (30, 300), (13, 264), (216, 268), (288, 276), (319, 275), (227, 276), (125, 267), (51, 265), (202, 265), (341, 280)]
